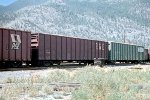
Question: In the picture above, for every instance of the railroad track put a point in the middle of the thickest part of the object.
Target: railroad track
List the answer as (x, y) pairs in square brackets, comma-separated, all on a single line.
[(68, 66), (55, 84)]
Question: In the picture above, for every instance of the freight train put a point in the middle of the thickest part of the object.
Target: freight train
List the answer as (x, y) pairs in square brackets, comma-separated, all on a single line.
[(21, 47)]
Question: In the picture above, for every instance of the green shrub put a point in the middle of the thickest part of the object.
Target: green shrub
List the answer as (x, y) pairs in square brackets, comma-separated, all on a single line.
[(1, 98), (96, 84), (120, 96), (58, 76), (81, 95)]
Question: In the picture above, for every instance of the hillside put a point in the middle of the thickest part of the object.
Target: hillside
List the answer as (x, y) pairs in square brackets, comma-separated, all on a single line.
[(19, 4), (109, 20)]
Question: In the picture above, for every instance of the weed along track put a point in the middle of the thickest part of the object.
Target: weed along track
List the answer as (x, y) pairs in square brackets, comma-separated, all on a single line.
[(54, 84), (59, 86), (86, 83), (56, 90)]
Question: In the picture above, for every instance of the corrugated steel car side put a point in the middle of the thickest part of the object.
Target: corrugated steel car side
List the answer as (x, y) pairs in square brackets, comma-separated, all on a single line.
[(60, 48), (63, 48), (126, 52), (77, 49), (1, 44), (146, 55), (73, 47), (15, 46), (47, 47), (149, 55), (82, 49), (69, 48), (53, 48)]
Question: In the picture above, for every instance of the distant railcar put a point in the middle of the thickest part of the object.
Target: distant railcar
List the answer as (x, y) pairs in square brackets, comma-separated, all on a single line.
[(121, 52), (15, 47), (146, 55), (50, 49)]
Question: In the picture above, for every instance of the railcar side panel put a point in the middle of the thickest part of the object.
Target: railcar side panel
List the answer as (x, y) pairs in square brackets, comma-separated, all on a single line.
[(29, 47), (18, 51), (140, 53), (1, 44), (73, 49), (120, 52), (126, 52), (89, 50), (93, 49), (100, 49), (77, 49), (82, 49), (41, 48), (53, 47), (6, 37), (47, 47), (24, 46), (97, 49), (64, 48), (106, 50), (130, 53), (59, 48), (15, 46), (69, 48), (86, 49), (12, 50), (103, 49), (134, 53), (146, 54), (149, 55)]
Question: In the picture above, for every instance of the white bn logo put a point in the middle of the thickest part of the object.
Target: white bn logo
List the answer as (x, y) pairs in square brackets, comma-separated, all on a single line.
[(16, 41)]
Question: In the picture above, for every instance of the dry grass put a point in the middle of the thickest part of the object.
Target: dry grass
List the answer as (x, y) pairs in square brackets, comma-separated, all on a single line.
[(97, 84), (47, 89)]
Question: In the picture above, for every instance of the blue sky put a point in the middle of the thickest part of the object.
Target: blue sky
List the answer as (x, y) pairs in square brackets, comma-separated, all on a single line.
[(6, 2)]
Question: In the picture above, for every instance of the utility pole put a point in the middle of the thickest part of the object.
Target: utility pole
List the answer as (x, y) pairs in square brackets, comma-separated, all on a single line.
[(146, 31), (143, 39), (144, 35)]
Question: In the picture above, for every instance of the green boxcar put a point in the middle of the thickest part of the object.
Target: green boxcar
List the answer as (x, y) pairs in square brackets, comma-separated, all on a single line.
[(126, 52)]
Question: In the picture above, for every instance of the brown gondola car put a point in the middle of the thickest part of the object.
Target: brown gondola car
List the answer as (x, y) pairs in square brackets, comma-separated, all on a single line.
[(15, 47), (50, 49)]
